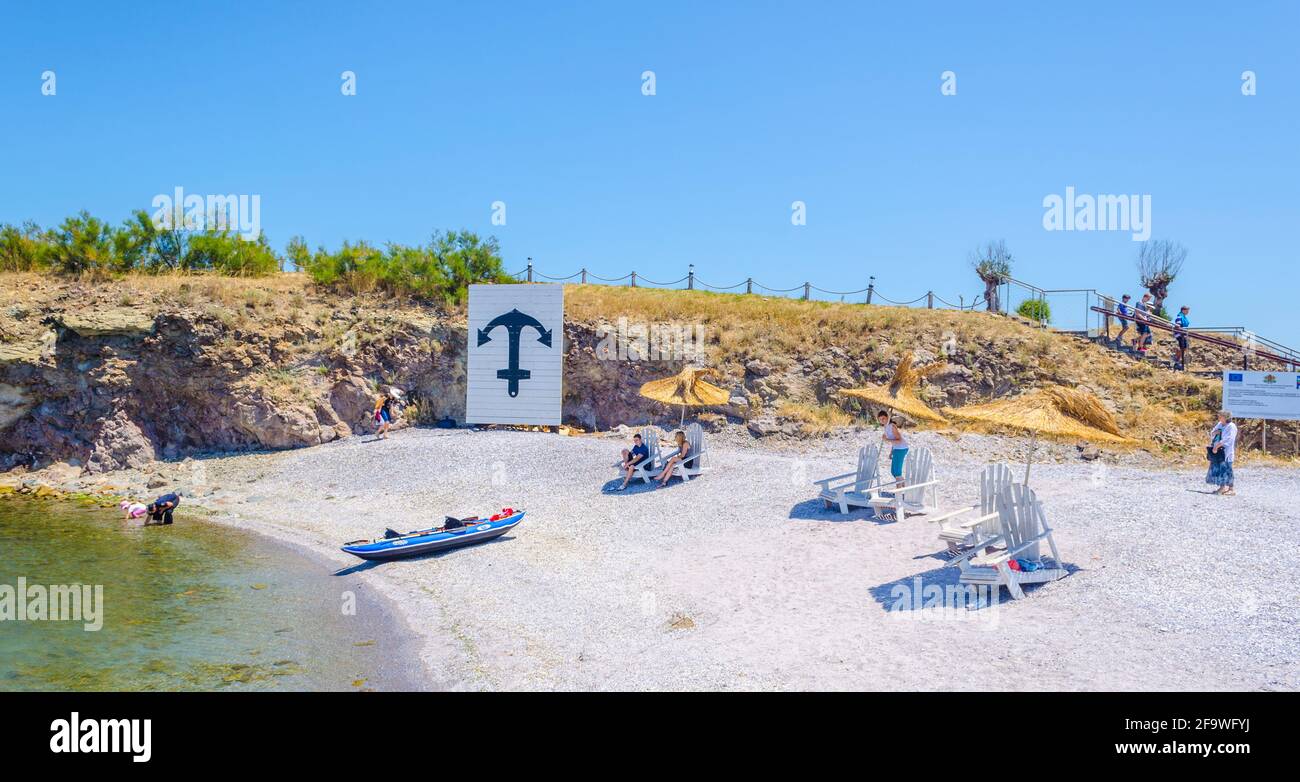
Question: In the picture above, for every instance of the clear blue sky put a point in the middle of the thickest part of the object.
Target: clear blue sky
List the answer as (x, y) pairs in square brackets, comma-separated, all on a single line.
[(758, 105)]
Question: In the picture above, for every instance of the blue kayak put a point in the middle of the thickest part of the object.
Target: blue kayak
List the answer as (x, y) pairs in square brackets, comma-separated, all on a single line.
[(455, 533)]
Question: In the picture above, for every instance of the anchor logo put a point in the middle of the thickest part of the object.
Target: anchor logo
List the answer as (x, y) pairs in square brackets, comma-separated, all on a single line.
[(515, 323)]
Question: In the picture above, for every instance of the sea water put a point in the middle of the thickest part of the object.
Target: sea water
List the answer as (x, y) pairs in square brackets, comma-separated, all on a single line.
[(190, 606)]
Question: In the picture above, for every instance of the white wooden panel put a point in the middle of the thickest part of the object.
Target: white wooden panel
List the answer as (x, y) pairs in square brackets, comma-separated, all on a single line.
[(539, 396)]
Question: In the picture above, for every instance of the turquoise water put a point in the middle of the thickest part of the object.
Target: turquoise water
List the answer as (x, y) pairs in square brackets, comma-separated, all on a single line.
[(191, 606)]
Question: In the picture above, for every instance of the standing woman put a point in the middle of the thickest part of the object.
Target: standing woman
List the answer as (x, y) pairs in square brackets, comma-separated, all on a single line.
[(893, 434), (1222, 452), (383, 416)]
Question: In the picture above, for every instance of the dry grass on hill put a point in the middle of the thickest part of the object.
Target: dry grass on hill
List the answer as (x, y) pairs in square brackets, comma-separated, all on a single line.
[(1161, 408)]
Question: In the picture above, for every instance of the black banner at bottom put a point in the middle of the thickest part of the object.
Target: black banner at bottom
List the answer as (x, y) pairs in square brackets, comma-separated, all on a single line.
[(1005, 732)]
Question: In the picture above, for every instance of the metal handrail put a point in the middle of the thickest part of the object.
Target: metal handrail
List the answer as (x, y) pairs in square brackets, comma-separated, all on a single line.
[(1166, 326)]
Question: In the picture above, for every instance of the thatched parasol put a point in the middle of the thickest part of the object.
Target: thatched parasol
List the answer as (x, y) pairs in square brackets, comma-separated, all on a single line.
[(1055, 411), (686, 388), (899, 394)]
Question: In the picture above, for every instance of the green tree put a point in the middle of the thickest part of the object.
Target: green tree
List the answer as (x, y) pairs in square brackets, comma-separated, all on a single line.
[(83, 243), (24, 249), (1037, 310)]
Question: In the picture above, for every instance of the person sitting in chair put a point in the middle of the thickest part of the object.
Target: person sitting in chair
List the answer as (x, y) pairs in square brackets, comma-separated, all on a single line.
[(680, 453), (638, 455)]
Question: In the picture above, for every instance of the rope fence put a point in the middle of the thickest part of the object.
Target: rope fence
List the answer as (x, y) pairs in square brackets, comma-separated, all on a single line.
[(1011, 296), (748, 286)]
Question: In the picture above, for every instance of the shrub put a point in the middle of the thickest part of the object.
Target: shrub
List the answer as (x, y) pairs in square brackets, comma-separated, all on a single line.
[(1036, 310), (84, 244), (442, 270), (23, 249)]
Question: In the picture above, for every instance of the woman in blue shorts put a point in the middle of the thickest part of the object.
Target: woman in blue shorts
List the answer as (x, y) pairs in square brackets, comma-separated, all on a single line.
[(893, 434)]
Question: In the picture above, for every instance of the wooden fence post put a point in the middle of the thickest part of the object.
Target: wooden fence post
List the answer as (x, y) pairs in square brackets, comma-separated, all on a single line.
[(749, 285), (530, 269), (929, 300), (633, 279), (871, 288), (584, 276), (690, 278), (806, 286)]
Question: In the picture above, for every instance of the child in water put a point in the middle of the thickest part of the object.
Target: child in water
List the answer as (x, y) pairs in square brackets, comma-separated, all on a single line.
[(132, 510)]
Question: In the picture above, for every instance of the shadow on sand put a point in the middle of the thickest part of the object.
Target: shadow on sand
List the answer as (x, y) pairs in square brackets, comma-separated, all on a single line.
[(912, 593), (637, 487), (816, 510)]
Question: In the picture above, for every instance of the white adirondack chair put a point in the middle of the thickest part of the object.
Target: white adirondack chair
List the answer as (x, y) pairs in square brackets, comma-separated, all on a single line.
[(920, 492), (979, 519), (1022, 527), (693, 465), (648, 467), (853, 489)]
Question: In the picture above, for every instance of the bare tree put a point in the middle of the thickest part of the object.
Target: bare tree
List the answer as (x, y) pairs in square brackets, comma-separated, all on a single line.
[(992, 263), (1159, 262)]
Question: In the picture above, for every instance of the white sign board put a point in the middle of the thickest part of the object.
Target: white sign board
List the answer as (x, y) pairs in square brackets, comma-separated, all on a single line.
[(1271, 395), (515, 371)]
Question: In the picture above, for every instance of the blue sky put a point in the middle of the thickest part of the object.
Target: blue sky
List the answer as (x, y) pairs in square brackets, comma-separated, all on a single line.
[(837, 105)]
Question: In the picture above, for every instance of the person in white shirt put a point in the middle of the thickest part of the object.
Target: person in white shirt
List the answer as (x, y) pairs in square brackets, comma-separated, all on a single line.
[(893, 435), (1222, 453)]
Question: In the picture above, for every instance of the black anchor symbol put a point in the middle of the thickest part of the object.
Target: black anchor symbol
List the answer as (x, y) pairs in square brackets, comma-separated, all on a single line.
[(515, 323)]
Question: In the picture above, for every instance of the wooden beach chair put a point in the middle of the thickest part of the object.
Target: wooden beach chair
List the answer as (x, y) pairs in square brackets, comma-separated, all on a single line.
[(853, 489), (649, 467), (1022, 527), (960, 528), (920, 493)]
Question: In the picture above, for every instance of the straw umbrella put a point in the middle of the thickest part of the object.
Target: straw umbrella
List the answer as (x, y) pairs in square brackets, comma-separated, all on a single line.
[(686, 388), (1055, 411), (899, 394)]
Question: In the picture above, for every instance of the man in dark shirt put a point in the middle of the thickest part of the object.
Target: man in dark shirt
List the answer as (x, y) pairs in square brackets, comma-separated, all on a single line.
[(638, 455), (160, 510)]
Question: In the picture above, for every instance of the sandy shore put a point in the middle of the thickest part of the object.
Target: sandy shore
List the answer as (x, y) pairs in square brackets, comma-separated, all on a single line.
[(739, 580)]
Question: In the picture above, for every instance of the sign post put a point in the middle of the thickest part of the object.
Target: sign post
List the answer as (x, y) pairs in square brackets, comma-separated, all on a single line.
[(1264, 395), (515, 369), (1268, 396)]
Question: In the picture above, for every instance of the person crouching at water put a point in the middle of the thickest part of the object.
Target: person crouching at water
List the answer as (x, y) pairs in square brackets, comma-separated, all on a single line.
[(1222, 452), (638, 455), (893, 434), (160, 510), (132, 510), (679, 453)]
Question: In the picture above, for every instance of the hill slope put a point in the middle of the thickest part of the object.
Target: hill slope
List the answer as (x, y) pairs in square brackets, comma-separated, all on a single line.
[(117, 373)]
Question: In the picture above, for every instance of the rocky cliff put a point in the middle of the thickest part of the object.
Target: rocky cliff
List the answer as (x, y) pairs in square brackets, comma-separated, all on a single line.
[(117, 374)]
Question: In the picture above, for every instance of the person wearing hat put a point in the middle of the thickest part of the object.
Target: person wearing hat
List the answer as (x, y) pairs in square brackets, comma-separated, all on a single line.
[(1181, 324), (1125, 311)]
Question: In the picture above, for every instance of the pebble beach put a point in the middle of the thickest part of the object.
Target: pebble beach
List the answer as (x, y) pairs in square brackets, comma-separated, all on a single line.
[(741, 580)]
